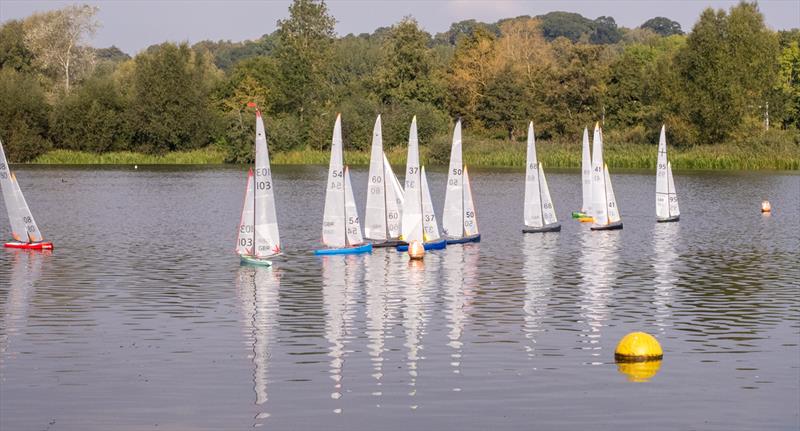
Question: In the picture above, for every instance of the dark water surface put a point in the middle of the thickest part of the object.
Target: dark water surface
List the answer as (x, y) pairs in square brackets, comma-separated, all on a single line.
[(142, 318)]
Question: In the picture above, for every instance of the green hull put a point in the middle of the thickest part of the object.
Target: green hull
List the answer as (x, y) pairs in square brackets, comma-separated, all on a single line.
[(578, 214), (250, 260)]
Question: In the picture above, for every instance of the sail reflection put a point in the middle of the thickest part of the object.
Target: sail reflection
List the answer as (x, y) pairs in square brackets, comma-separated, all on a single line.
[(25, 271), (539, 251), (460, 266), (378, 267), (340, 277), (664, 238), (599, 252), (258, 290), (414, 319)]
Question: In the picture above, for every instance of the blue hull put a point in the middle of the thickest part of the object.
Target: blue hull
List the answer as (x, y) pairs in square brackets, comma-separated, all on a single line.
[(466, 239), (433, 245), (366, 248)]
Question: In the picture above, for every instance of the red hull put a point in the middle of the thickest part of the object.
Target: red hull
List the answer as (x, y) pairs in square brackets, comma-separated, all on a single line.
[(30, 245)]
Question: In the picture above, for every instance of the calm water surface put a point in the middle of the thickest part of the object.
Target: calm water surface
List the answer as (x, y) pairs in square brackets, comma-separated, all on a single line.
[(142, 318)]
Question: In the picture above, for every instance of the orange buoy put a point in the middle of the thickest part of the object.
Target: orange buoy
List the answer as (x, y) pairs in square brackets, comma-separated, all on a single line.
[(766, 207), (585, 219), (416, 250)]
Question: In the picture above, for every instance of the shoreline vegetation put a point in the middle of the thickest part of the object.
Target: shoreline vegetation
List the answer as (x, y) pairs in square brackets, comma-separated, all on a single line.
[(727, 90), (486, 153)]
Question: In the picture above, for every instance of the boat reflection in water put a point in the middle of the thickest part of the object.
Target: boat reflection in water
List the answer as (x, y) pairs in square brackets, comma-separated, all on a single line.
[(599, 252), (379, 314), (258, 289), (341, 276), (664, 253), (539, 251), (460, 267), (25, 271)]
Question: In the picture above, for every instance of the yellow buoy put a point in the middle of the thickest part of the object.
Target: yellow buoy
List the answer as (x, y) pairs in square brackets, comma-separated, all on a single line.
[(416, 250), (585, 219), (638, 347), (639, 371), (766, 207)]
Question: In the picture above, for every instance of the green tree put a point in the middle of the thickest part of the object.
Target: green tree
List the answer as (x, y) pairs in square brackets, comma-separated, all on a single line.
[(23, 116), (407, 71), (13, 52), (91, 118), (504, 105), (728, 68), (663, 26), (170, 105), (303, 53), (789, 83)]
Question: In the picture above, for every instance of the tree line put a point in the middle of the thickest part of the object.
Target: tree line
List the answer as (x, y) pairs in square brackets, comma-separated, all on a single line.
[(730, 80)]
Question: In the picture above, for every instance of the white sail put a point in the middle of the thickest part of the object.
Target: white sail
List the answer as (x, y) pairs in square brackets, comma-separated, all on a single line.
[(453, 213), (333, 221), (353, 226), (244, 241), (429, 223), (375, 215), (533, 203), (18, 231), (412, 203), (267, 239), (599, 204), (470, 218), (662, 187), (611, 201), (586, 174), (674, 210), (31, 229), (548, 211), (394, 200)]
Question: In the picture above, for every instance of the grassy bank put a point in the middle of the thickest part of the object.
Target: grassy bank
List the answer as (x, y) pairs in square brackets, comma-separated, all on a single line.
[(487, 153)]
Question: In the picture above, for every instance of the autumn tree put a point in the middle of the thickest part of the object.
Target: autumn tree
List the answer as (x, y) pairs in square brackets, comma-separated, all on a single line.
[(55, 38)]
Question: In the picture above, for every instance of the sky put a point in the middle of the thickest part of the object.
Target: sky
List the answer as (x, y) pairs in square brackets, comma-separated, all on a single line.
[(133, 25)]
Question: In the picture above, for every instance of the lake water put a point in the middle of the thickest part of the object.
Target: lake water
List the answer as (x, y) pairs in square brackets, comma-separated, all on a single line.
[(142, 317)]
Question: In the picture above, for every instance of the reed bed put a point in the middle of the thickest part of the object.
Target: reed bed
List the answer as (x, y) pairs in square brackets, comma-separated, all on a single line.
[(482, 153), (202, 156)]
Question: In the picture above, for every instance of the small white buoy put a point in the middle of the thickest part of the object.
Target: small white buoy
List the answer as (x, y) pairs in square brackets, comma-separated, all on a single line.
[(766, 207), (135, 166)]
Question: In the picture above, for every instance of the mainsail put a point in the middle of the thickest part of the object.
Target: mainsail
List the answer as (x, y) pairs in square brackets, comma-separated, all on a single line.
[(412, 203), (333, 220)]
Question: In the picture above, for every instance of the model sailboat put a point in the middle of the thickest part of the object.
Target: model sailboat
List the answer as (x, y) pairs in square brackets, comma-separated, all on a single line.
[(604, 205), (24, 231), (586, 180), (540, 215), (667, 209), (419, 220), (341, 227), (460, 224), (258, 237), (384, 197)]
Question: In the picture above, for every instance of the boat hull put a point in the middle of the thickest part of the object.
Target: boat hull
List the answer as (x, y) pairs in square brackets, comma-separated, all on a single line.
[(579, 214), (255, 261), (466, 239), (365, 248), (433, 245), (388, 243), (553, 227), (29, 245), (668, 219), (610, 226)]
